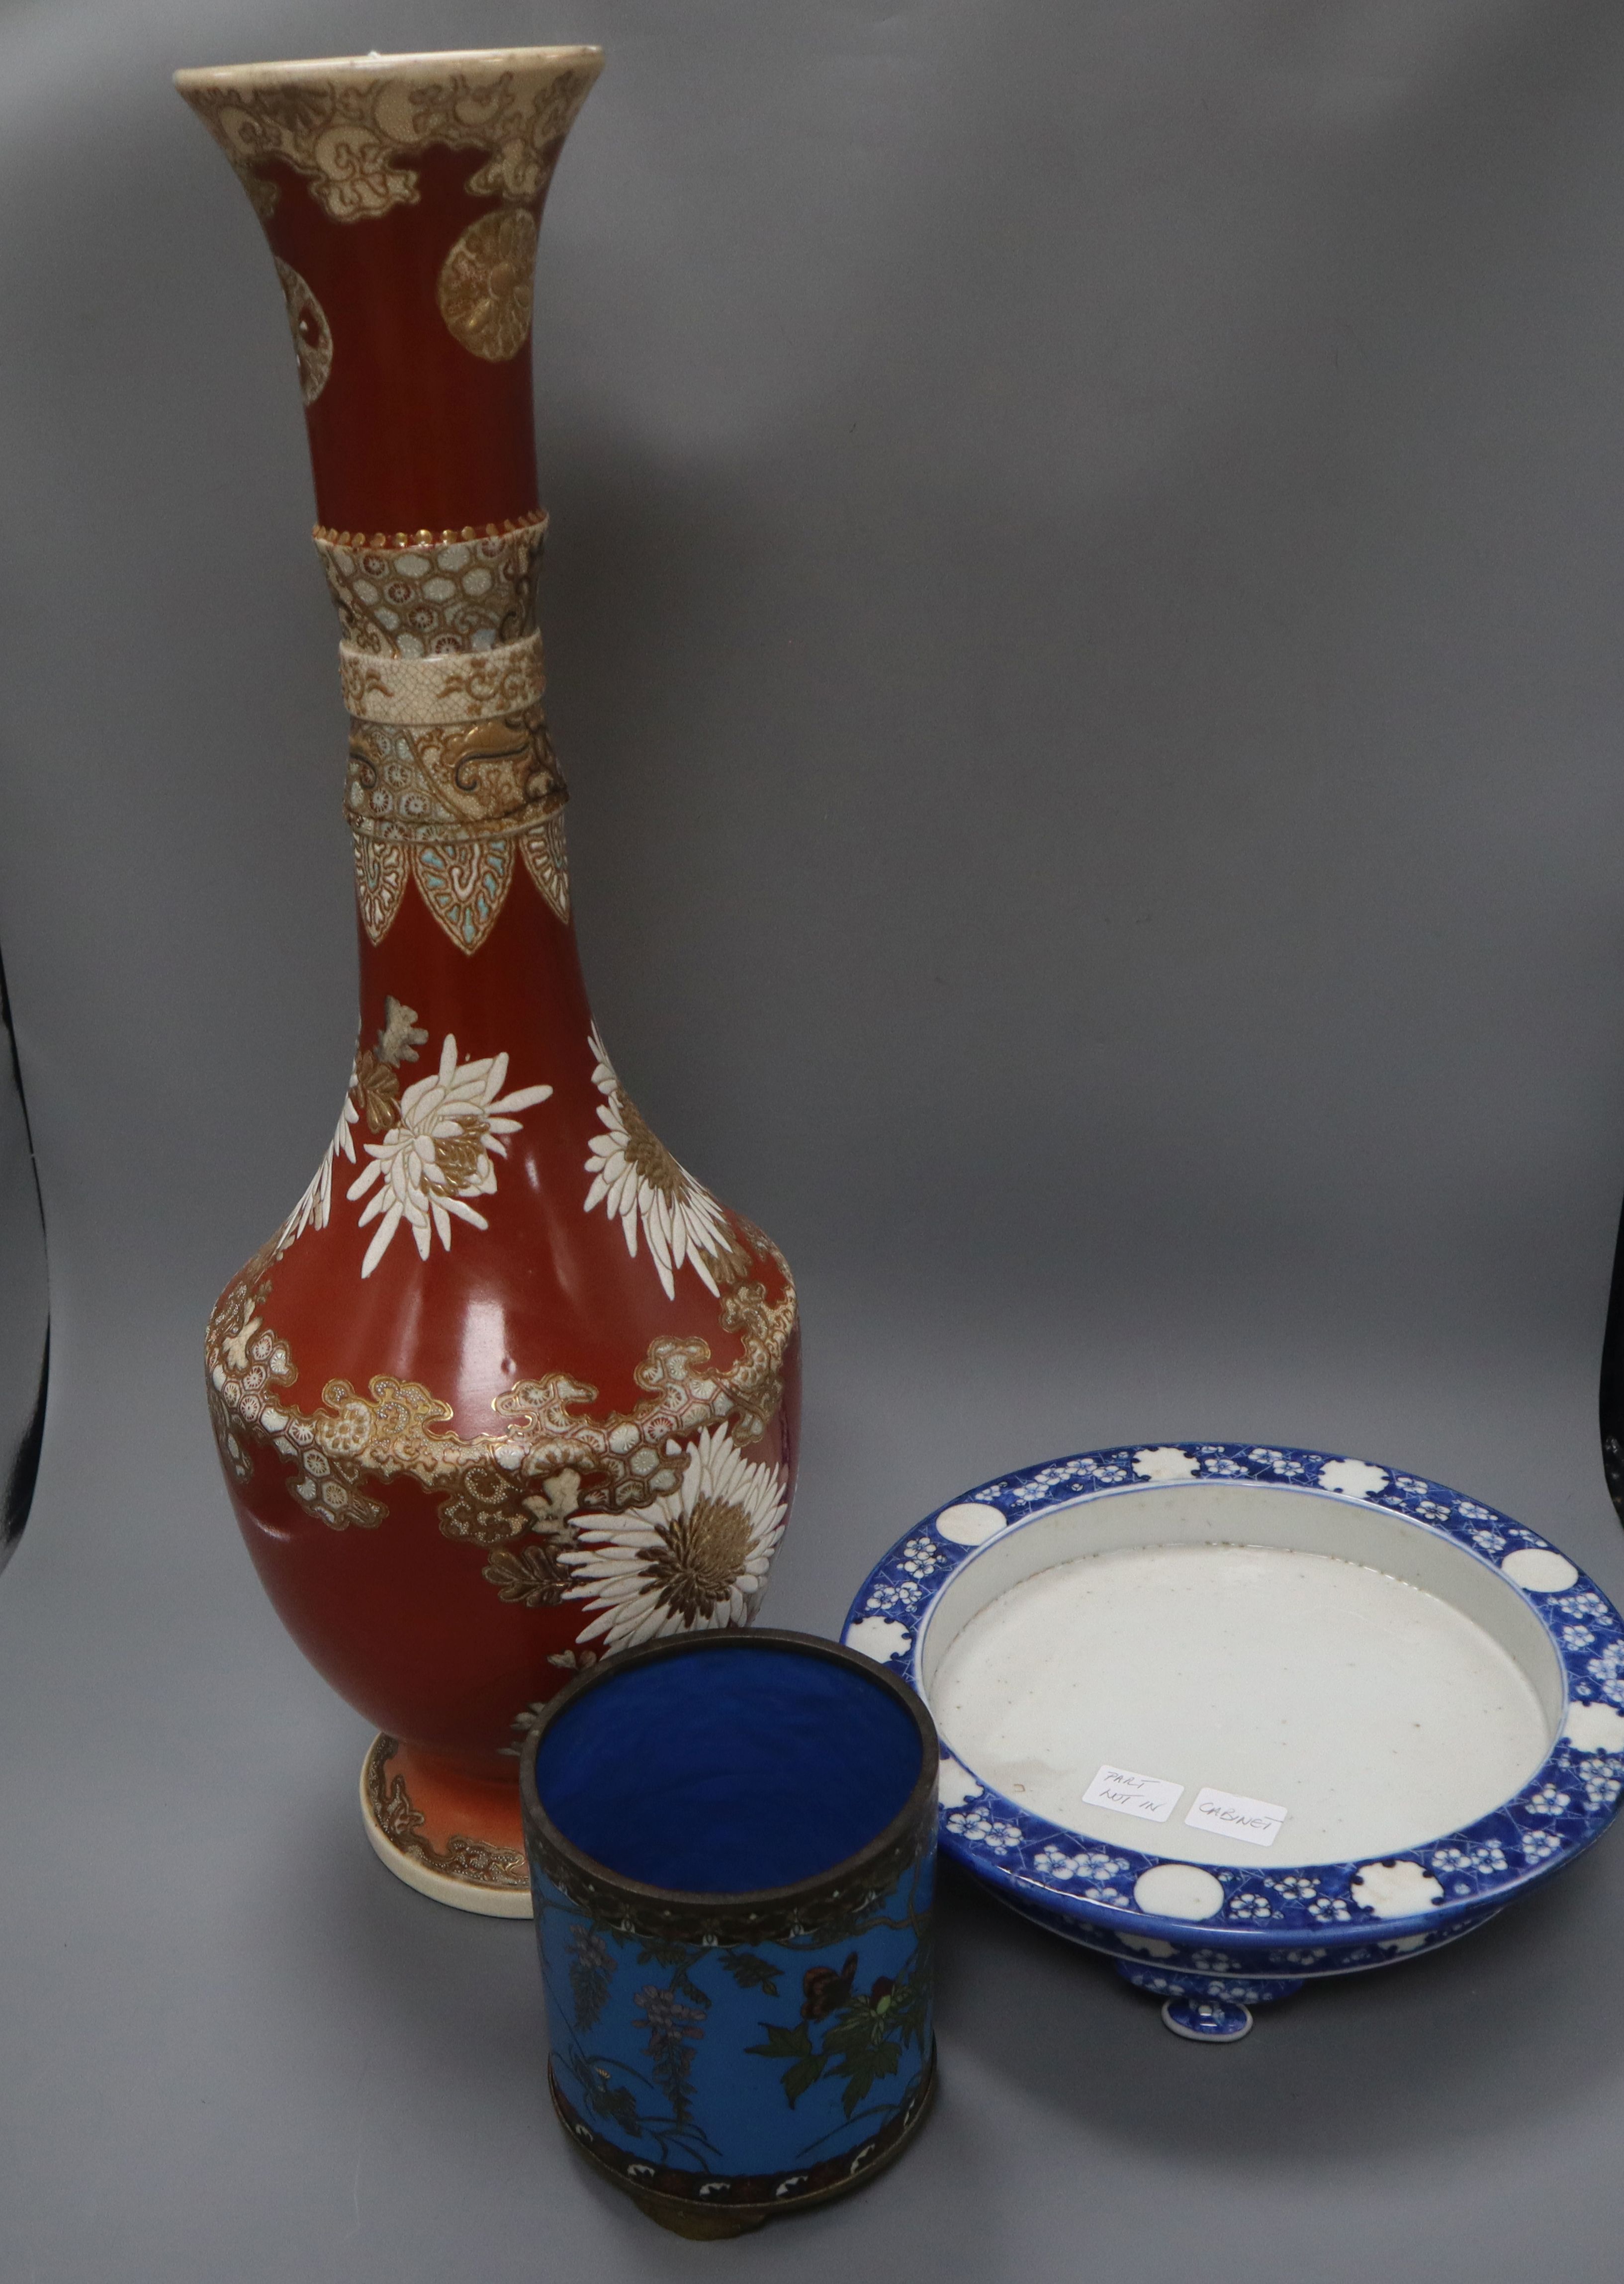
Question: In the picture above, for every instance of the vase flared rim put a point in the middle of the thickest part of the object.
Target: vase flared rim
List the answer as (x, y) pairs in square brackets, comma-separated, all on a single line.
[(479, 61)]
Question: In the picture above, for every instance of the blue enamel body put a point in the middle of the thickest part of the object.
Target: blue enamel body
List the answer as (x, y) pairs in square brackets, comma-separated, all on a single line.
[(696, 2058), (732, 1848), (1268, 1930)]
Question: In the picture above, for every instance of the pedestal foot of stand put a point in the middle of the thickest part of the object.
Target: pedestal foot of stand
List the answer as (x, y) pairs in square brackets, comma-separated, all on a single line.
[(1211, 2010), (1208, 2021)]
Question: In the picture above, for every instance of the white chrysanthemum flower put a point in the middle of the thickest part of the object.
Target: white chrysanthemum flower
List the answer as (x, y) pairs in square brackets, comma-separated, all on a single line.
[(440, 1154), (313, 1209), (640, 1183), (697, 1558)]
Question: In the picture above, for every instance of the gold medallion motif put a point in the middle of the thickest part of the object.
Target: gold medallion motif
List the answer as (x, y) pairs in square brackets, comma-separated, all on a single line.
[(486, 284), (307, 321)]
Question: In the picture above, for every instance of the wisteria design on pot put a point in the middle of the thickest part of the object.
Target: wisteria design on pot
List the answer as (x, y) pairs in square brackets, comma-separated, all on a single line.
[(675, 2027), (665, 2022), (638, 1183), (860, 2033), (1277, 1928), (697, 1558)]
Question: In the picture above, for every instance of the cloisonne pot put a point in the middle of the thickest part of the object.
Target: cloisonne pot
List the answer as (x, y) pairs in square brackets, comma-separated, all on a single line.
[(732, 1842), (507, 1388)]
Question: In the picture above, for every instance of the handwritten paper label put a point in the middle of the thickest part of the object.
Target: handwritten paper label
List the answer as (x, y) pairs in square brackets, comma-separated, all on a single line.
[(1154, 1798), (1257, 1821)]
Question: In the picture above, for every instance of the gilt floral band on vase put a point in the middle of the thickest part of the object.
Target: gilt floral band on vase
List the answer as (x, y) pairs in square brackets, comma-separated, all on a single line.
[(1215, 1938), (727, 2046)]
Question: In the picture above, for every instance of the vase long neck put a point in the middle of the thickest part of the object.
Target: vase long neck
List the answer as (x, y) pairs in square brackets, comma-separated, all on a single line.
[(416, 425), (402, 196)]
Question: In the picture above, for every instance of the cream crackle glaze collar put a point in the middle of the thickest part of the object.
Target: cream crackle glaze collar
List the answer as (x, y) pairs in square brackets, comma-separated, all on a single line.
[(352, 124), (451, 771)]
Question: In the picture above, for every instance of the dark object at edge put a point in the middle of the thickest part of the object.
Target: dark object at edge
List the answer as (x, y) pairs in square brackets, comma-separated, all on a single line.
[(24, 1469)]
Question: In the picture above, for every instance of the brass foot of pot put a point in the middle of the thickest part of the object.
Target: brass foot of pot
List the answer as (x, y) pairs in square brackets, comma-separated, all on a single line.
[(683, 2220), (687, 2216)]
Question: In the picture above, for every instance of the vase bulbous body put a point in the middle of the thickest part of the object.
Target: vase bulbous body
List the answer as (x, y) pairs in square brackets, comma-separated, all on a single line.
[(508, 1389)]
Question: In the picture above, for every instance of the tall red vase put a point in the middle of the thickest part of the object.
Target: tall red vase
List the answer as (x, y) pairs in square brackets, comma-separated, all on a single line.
[(508, 1389)]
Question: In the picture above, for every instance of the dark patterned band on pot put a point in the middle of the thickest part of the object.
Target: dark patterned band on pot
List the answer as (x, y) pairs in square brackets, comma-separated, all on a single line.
[(757, 2193), (826, 1904), (829, 1909)]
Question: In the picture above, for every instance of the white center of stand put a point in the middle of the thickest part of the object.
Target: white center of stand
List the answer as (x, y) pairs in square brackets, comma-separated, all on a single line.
[(1364, 1714)]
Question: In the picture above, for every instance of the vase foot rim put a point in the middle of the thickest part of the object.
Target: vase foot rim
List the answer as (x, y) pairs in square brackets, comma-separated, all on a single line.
[(490, 1902)]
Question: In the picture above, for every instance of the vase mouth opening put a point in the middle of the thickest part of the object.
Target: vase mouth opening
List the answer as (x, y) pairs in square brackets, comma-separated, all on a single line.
[(481, 62)]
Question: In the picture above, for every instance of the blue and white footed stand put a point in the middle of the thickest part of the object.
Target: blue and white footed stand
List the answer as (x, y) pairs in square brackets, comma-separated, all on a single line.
[(1240, 1718)]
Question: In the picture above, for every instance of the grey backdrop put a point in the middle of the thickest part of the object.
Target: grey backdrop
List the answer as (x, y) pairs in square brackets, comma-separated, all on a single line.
[(1084, 619)]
